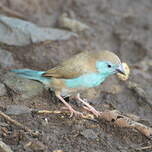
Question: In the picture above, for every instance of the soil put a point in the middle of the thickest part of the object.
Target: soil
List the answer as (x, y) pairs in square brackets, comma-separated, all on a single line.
[(123, 27)]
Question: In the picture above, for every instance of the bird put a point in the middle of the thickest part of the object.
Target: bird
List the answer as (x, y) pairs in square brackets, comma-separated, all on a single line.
[(84, 70)]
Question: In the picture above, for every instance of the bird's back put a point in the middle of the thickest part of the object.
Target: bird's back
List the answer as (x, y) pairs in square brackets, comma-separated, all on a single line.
[(82, 63)]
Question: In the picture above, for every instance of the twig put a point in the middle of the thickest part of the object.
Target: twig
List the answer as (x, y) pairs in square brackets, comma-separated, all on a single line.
[(47, 112), (14, 122), (10, 12), (86, 116), (144, 148)]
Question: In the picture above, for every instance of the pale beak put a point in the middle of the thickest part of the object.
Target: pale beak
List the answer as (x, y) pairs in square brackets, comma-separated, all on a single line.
[(120, 69)]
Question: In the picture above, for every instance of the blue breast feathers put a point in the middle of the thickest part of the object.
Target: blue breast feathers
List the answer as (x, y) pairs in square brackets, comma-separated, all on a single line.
[(85, 81)]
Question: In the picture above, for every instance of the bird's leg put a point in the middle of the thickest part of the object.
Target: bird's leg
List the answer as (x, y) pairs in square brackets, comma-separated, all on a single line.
[(88, 106), (72, 111)]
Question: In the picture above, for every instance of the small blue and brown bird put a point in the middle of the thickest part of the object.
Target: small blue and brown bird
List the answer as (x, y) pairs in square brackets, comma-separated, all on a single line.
[(82, 71)]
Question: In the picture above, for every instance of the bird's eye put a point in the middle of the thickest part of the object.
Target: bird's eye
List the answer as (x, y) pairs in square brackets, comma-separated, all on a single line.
[(109, 66)]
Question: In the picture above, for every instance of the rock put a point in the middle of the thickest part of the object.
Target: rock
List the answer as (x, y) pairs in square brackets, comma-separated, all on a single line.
[(3, 90), (58, 150), (17, 110), (89, 134), (35, 145), (25, 88), (3, 124), (18, 32), (4, 147), (72, 24), (6, 59)]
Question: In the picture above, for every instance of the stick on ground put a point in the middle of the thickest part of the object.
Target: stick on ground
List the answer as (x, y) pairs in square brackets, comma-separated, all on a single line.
[(14, 122)]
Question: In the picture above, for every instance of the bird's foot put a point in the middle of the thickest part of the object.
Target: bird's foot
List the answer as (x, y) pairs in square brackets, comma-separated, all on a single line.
[(93, 110), (88, 107), (76, 113), (73, 112)]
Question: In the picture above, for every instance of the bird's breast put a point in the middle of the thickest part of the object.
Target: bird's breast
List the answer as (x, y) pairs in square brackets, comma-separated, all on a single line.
[(68, 87), (85, 81)]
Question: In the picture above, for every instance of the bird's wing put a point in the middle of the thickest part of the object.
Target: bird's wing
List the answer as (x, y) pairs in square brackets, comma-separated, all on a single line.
[(79, 64)]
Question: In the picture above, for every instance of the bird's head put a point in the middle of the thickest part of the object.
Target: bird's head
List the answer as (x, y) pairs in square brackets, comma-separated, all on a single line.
[(109, 63)]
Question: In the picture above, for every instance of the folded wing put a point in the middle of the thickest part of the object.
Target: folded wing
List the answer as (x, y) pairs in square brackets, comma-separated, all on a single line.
[(79, 64)]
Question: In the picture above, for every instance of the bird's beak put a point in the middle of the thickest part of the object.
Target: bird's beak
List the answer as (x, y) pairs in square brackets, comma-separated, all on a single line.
[(120, 69)]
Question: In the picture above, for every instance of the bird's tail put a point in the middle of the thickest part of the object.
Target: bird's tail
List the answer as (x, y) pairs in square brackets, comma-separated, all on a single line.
[(32, 74)]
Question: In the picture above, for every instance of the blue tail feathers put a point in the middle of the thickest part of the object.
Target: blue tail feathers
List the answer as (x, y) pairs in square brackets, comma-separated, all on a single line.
[(31, 74)]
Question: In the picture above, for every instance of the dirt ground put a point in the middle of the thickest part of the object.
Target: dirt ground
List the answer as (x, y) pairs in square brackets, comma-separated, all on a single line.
[(122, 26)]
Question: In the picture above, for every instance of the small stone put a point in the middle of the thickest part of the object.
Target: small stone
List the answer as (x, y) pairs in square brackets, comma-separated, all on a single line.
[(3, 90), (58, 150), (35, 145), (3, 124), (4, 147), (72, 24)]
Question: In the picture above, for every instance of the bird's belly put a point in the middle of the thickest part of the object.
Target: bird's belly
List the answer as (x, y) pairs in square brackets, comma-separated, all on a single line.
[(67, 92), (58, 85)]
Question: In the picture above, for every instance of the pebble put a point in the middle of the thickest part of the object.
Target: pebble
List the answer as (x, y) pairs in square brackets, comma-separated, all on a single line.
[(3, 90), (4, 147)]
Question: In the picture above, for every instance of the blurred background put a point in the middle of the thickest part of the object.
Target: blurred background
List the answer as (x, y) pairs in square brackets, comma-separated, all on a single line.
[(39, 34)]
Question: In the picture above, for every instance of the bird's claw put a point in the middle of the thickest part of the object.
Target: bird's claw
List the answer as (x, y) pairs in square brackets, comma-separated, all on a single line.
[(76, 113), (73, 112), (93, 110)]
